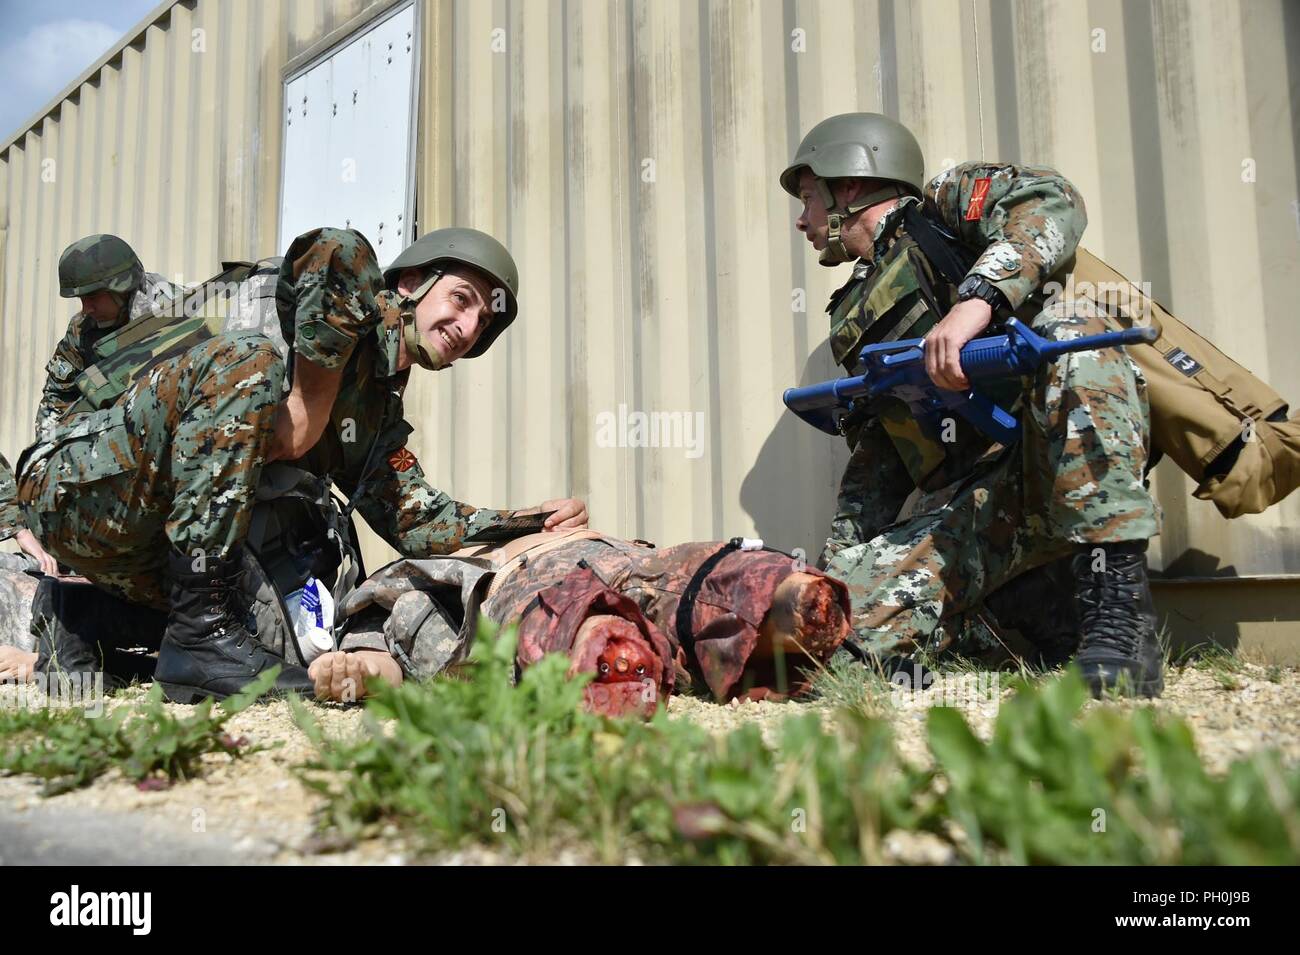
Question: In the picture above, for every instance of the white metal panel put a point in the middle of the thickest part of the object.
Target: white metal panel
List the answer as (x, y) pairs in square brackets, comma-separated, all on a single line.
[(347, 142)]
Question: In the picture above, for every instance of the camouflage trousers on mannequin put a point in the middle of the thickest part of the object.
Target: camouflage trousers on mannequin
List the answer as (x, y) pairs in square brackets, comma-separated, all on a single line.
[(1075, 478), (174, 463)]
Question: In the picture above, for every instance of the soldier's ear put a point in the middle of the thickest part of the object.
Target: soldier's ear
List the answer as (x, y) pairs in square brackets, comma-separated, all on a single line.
[(409, 280), (847, 191)]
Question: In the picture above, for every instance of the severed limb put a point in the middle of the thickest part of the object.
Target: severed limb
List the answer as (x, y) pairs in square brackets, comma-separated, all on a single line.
[(803, 625)]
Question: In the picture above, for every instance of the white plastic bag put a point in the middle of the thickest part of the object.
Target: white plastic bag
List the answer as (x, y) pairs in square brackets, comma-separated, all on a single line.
[(312, 611)]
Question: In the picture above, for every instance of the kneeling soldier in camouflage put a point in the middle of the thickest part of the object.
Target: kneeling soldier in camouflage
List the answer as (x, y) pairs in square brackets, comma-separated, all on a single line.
[(152, 496), (109, 279), (1073, 484)]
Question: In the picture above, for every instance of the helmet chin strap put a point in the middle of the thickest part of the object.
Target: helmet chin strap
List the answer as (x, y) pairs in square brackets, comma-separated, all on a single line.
[(417, 349), (835, 252)]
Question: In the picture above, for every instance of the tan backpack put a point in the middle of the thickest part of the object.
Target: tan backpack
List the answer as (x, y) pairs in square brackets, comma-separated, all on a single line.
[(1223, 426)]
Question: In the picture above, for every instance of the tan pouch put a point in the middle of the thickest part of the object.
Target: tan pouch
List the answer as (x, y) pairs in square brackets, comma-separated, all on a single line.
[(507, 557), (1208, 413)]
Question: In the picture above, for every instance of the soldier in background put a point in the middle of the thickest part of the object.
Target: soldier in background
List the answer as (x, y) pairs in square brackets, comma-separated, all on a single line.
[(106, 274), (1072, 487)]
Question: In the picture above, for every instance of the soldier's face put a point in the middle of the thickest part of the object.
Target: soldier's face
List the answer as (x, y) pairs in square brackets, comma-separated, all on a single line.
[(812, 219), (102, 307), (455, 312)]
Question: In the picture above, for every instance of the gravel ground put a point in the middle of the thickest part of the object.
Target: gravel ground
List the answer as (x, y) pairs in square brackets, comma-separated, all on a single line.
[(254, 810)]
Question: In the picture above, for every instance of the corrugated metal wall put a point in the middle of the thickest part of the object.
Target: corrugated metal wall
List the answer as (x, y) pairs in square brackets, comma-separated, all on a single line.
[(627, 153)]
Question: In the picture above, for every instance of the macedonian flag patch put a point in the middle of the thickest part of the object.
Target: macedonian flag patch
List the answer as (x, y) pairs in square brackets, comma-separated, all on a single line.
[(401, 460), (978, 197)]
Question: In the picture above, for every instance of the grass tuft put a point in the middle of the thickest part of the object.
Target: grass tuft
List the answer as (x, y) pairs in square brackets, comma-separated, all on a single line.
[(524, 769), (148, 743)]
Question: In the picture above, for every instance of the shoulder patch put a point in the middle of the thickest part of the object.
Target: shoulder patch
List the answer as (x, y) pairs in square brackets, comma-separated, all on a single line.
[(977, 198), (401, 460)]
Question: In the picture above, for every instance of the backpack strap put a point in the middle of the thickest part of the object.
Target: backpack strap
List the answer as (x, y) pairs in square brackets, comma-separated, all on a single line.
[(281, 482), (950, 258)]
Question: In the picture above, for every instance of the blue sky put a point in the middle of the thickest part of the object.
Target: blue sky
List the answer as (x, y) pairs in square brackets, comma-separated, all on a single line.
[(45, 45)]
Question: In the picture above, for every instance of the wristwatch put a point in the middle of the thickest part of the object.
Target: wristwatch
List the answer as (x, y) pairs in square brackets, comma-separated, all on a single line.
[(977, 286)]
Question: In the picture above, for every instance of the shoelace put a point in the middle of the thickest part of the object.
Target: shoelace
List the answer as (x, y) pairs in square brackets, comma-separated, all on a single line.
[(1110, 615), (224, 601)]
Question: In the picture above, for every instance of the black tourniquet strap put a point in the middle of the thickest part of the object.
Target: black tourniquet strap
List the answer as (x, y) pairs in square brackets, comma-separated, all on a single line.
[(686, 606)]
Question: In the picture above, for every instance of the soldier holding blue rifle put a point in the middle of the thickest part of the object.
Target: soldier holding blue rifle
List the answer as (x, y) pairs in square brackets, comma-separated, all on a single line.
[(1041, 458)]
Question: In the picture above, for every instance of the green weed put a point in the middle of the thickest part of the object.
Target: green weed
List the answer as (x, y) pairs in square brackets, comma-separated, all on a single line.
[(523, 768), (149, 744)]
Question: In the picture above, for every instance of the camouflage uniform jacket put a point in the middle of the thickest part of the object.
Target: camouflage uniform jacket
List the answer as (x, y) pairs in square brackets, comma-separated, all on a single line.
[(336, 311), (76, 352), (11, 521), (1024, 221)]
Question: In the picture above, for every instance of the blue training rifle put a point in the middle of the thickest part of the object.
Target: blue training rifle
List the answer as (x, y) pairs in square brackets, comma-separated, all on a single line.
[(899, 369)]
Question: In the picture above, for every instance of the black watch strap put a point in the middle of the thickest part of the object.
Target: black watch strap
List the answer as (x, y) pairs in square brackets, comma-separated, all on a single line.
[(977, 286)]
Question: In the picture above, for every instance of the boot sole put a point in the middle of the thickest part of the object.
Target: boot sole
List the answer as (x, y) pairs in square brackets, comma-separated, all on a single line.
[(175, 693)]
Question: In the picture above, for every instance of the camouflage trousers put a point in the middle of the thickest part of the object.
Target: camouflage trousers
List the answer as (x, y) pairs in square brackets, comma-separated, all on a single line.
[(173, 463), (1074, 478)]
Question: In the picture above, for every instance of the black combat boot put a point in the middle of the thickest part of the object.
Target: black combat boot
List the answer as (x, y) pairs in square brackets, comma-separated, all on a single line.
[(1117, 620), (207, 650), (79, 628), (1035, 605)]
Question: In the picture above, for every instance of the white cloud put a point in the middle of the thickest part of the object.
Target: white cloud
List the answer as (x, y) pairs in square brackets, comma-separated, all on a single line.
[(53, 54), (37, 65)]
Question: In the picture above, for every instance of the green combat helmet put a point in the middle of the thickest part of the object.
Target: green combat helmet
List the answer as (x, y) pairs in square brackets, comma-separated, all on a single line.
[(466, 247), (99, 262), (856, 145)]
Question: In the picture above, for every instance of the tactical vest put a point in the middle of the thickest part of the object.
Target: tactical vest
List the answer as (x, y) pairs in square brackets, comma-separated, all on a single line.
[(241, 297), (901, 297)]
